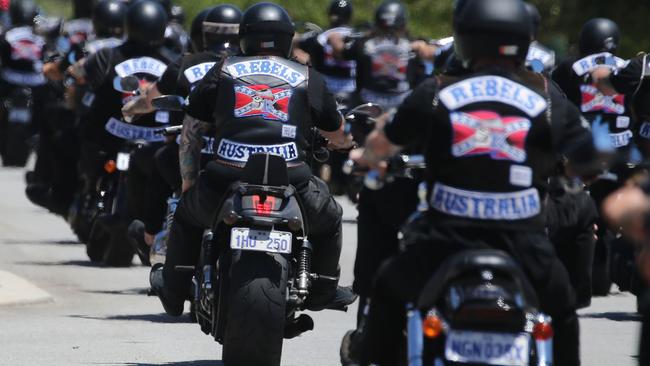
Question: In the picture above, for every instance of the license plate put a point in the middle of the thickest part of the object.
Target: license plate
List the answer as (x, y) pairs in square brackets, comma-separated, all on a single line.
[(20, 115), (488, 348), (122, 162), (260, 240)]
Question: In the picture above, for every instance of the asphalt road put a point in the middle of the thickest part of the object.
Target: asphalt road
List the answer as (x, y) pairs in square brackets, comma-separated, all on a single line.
[(101, 316)]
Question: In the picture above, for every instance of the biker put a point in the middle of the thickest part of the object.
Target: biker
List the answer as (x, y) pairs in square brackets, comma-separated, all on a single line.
[(103, 132), (221, 99), (539, 58), (469, 208), (385, 69), (214, 36), (21, 57)]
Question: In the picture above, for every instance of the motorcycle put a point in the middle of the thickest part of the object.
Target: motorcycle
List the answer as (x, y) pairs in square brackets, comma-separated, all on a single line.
[(17, 127), (478, 309)]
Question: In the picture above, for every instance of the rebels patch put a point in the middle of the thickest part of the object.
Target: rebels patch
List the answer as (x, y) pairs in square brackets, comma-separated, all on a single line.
[(268, 68), (488, 133), (591, 62), (141, 65), (198, 72), (493, 89), (238, 152), (594, 101), (260, 100)]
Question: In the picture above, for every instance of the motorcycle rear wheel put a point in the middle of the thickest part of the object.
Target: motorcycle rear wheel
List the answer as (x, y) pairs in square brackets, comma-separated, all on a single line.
[(256, 310)]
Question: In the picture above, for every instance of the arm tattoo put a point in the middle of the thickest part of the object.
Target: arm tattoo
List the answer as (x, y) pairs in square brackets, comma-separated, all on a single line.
[(189, 149)]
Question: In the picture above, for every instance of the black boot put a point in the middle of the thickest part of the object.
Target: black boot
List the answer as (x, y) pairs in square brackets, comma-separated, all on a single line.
[(172, 303)]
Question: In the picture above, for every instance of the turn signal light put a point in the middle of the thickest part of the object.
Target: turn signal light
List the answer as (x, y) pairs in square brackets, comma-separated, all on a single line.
[(542, 331), (432, 326), (110, 166)]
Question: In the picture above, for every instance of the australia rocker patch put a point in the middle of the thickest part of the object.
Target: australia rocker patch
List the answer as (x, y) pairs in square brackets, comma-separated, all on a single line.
[(260, 100), (239, 152), (488, 133)]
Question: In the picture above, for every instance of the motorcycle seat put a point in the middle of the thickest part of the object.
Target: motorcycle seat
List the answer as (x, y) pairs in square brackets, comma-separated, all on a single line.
[(266, 169), (474, 261)]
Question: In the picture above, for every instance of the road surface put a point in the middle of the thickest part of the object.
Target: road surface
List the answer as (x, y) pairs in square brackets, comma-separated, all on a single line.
[(101, 316)]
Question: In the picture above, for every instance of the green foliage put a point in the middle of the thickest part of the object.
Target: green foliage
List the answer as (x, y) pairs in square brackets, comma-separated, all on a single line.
[(561, 19)]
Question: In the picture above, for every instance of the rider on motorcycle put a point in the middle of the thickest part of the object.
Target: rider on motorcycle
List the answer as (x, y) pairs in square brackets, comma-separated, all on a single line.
[(214, 36), (236, 97), (466, 118)]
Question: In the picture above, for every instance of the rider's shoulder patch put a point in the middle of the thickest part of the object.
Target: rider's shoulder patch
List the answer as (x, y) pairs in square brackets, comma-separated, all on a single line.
[(492, 88), (266, 67)]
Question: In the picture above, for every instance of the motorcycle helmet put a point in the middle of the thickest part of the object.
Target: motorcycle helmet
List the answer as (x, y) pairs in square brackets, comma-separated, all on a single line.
[(108, 18), (177, 14), (146, 21), (221, 29), (266, 28), (535, 18), (493, 29), (22, 12), (599, 35), (391, 15), (196, 30), (340, 12)]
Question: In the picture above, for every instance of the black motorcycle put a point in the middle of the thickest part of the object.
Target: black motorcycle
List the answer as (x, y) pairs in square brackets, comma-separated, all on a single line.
[(478, 309), (254, 272), (17, 128)]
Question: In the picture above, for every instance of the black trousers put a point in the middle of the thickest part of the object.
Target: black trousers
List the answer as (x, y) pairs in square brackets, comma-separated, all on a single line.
[(426, 246), (139, 182), (381, 214), (197, 207), (164, 180)]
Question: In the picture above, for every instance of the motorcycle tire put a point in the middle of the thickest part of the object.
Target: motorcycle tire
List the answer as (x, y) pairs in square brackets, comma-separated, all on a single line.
[(17, 149), (98, 240), (119, 252), (601, 281), (256, 310)]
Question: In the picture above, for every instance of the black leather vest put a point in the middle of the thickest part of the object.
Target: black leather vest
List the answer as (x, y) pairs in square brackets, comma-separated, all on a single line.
[(262, 106)]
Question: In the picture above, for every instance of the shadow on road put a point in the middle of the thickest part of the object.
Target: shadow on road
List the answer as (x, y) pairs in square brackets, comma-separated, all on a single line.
[(153, 318), (46, 242), (78, 263), (617, 316), (129, 291)]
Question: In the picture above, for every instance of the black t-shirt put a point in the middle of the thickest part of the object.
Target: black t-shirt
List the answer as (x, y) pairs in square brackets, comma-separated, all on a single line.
[(104, 125), (489, 155), (324, 111)]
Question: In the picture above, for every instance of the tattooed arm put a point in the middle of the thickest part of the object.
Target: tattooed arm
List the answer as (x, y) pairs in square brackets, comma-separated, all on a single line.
[(189, 149)]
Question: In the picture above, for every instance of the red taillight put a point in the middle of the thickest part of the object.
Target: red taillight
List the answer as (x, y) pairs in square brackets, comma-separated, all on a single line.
[(542, 331), (263, 204), (110, 166)]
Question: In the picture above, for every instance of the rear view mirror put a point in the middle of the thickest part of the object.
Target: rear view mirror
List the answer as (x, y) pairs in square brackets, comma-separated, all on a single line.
[(169, 103), (127, 84)]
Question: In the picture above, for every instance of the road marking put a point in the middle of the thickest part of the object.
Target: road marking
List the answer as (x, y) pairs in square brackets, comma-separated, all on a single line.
[(15, 290)]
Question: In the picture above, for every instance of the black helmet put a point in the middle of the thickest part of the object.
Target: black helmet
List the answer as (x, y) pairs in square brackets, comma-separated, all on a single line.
[(108, 18), (196, 30), (492, 28), (146, 21), (167, 5), (22, 12), (266, 27), (391, 14), (221, 29), (177, 14), (599, 35), (535, 18), (340, 12)]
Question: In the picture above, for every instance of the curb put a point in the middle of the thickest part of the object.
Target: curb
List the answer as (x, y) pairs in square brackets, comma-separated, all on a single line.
[(15, 290)]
